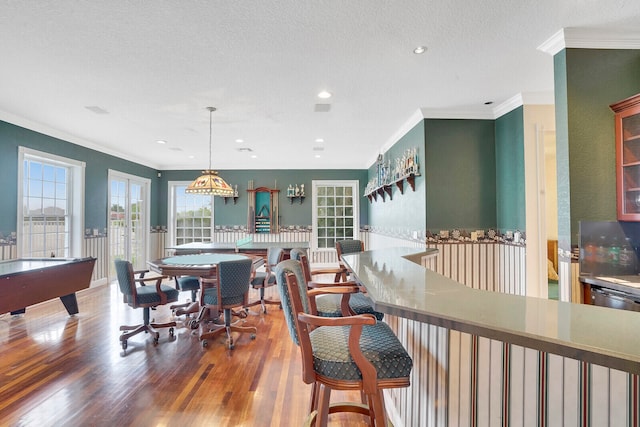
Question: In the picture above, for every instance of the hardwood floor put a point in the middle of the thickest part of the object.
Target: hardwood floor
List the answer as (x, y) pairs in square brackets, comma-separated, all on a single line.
[(61, 370)]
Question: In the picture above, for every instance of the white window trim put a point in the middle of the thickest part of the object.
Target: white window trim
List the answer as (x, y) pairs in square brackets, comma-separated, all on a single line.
[(314, 209), (77, 197), (112, 173), (171, 214)]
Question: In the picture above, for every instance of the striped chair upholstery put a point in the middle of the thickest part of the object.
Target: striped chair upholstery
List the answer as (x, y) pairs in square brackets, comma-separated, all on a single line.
[(343, 353)]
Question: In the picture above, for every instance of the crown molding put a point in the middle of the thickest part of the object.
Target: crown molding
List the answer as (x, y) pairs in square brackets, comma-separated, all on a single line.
[(413, 120), (589, 38), (470, 114), (66, 137), (527, 98)]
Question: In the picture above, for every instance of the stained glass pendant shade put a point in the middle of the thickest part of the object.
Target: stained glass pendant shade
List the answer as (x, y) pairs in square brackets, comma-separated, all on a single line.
[(209, 183)]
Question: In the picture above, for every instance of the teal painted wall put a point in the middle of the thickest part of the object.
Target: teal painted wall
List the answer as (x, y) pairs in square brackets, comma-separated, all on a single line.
[(562, 151), (404, 212), (96, 175), (510, 185), (290, 214), (587, 82), (460, 174), (96, 172)]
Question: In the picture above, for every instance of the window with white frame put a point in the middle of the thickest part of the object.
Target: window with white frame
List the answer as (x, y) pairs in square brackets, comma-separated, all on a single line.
[(335, 212), (190, 215), (51, 212)]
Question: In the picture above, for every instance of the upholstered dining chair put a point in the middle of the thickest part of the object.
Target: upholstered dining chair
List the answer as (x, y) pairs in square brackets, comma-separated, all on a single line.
[(341, 353), (349, 246), (264, 279), (144, 297), (189, 284), (227, 291), (333, 305)]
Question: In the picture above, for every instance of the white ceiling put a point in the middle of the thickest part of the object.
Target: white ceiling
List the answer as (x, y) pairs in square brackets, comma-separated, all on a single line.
[(155, 67)]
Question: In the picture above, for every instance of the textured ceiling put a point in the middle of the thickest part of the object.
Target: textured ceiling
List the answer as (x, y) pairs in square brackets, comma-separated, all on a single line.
[(154, 67)]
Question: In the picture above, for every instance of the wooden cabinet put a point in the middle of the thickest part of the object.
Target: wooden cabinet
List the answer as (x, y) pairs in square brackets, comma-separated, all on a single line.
[(263, 211), (628, 158)]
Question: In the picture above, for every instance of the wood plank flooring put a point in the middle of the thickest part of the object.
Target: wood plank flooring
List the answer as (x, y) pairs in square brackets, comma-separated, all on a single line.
[(61, 370)]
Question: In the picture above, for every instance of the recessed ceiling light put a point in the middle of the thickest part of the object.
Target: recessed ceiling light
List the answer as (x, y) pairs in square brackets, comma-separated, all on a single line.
[(317, 156), (319, 140), (253, 156), (419, 50), (324, 94), (161, 141), (192, 157), (239, 141)]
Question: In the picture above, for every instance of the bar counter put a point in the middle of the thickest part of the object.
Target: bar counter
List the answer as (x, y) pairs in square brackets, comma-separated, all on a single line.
[(398, 285)]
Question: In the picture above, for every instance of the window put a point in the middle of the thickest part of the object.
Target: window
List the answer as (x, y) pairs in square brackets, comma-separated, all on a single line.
[(335, 212), (52, 205), (190, 215)]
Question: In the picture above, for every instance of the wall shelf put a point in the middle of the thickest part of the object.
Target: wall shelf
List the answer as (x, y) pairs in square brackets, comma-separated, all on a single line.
[(235, 199), (292, 198), (386, 190)]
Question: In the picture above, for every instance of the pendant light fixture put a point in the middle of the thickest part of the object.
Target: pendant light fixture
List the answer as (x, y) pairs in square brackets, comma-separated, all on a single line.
[(209, 182)]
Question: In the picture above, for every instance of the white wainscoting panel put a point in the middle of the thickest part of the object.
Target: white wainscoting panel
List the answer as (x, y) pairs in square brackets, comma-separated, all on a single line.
[(8, 251), (97, 247), (489, 266)]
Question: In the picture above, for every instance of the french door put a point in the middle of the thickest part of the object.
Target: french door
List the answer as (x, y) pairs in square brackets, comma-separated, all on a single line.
[(128, 219)]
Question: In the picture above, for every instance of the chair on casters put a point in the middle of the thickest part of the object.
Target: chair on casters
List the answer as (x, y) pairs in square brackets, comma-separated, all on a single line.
[(341, 353), (350, 246), (145, 297), (228, 290), (331, 305), (187, 283), (265, 279)]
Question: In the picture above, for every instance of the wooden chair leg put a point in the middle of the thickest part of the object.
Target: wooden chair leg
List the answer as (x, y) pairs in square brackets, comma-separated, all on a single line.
[(324, 397), (377, 410), (313, 404)]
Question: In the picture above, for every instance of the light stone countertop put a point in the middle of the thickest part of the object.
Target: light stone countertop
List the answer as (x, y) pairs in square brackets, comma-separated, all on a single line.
[(400, 286)]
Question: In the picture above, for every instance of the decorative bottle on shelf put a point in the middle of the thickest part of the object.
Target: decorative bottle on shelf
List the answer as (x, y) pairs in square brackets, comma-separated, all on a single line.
[(613, 258), (589, 255), (627, 259), (602, 254)]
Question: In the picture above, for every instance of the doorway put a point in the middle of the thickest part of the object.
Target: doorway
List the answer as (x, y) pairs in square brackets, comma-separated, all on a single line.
[(128, 219)]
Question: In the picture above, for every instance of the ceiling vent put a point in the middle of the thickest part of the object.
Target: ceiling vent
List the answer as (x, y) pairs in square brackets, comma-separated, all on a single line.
[(322, 108), (318, 148), (245, 150), (96, 109)]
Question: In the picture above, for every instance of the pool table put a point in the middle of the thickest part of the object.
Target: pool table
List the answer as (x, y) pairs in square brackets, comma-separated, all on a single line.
[(28, 281)]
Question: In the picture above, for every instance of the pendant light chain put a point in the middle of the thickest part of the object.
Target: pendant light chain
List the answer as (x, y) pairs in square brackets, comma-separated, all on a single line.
[(210, 182), (211, 110)]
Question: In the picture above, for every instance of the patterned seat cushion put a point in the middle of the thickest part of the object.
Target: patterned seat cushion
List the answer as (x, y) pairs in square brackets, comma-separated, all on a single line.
[(329, 305), (258, 279), (211, 298), (148, 295), (379, 345), (188, 283)]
